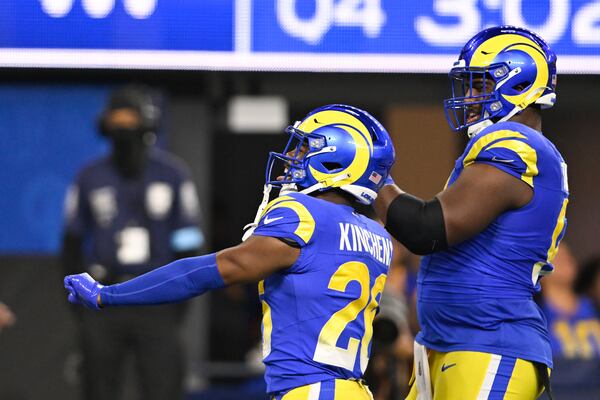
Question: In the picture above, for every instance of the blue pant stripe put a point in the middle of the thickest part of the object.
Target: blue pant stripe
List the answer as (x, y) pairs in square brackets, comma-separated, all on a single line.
[(327, 390), (503, 375)]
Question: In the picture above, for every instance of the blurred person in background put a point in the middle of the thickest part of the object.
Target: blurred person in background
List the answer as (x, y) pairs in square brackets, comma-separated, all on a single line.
[(572, 318), (492, 232), (574, 329), (7, 317), (126, 214), (588, 281)]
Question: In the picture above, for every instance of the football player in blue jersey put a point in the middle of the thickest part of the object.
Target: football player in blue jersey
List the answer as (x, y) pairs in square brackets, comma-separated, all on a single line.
[(320, 265), (492, 232)]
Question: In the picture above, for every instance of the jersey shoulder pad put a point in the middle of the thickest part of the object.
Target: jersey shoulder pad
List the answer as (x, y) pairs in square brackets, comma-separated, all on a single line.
[(288, 217), (507, 147)]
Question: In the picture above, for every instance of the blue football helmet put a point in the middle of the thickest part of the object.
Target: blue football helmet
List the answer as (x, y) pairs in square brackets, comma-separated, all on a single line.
[(518, 62), (335, 146)]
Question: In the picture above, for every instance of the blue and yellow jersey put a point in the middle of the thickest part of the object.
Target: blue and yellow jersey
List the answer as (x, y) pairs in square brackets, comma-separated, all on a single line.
[(318, 313), (477, 296), (576, 335)]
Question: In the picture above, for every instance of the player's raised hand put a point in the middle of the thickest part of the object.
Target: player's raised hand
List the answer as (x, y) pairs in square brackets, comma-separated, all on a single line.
[(83, 289)]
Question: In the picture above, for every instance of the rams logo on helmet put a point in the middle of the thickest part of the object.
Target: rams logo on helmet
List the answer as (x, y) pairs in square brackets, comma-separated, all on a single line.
[(335, 146)]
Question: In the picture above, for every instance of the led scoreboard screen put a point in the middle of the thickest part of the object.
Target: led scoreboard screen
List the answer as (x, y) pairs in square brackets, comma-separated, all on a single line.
[(293, 35)]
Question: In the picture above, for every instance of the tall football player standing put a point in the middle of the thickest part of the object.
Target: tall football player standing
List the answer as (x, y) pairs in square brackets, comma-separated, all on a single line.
[(492, 232)]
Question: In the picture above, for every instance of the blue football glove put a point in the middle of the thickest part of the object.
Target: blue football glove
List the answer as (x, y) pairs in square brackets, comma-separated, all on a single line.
[(83, 289)]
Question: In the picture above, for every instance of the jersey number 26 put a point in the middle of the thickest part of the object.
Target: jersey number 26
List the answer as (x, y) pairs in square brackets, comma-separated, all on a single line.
[(327, 352)]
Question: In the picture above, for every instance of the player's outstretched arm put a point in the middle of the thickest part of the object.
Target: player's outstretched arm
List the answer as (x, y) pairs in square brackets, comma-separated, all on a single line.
[(180, 280), (479, 195), (255, 259)]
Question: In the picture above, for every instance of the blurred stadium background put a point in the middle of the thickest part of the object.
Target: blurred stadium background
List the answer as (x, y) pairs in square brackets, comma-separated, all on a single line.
[(232, 74)]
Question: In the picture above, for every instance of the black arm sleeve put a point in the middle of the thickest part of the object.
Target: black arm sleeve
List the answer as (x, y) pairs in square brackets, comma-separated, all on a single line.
[(417, 224)]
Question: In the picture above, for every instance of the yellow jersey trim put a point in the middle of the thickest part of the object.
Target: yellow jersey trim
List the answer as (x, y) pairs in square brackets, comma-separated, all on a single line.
[(306, 226), (509, 140)]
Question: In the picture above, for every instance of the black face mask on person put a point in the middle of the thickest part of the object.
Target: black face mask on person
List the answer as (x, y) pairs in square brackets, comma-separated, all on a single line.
[(129, 150)]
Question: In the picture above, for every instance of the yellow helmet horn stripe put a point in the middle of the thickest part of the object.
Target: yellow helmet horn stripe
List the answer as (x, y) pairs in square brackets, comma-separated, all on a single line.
[(359, 133), (487, 51)]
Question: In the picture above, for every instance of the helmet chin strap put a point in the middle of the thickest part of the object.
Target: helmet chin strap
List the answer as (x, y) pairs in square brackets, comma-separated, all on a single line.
[(249, 229), (288, 188), (285, 189), (325, 184), (478, 127)]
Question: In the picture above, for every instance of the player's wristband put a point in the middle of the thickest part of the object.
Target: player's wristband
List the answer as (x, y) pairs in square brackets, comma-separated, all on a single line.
[(178, 281), (417, 224)]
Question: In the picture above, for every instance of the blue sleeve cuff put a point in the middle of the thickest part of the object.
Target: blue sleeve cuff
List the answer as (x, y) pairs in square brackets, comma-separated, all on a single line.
[(177, 281)]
